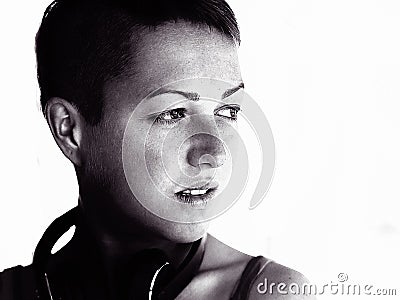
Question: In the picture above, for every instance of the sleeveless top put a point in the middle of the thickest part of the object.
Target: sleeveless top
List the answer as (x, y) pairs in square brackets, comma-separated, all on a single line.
[(250, 274)]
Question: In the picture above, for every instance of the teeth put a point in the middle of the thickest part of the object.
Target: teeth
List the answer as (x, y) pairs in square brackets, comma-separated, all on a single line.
[(194, 192)]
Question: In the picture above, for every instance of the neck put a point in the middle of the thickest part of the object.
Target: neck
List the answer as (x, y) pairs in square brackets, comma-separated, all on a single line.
[(116, 252)]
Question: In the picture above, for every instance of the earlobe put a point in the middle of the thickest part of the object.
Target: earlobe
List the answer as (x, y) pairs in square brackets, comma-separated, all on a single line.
[(65, 124)]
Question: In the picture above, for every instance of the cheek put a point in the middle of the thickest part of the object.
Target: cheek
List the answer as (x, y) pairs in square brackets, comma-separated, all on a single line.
[(105, 155), (161, 159), (230, 135)]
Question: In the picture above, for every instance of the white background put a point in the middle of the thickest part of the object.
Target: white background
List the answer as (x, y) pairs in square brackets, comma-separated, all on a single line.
[(327, 75)]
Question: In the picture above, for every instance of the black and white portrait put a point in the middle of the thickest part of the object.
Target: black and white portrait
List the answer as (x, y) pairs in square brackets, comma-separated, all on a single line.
[(200, 149)]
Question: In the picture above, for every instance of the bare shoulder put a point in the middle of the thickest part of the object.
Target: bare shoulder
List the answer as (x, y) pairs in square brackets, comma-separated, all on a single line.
[(276, 281), (222, 270), (219, 272), (218, 255)]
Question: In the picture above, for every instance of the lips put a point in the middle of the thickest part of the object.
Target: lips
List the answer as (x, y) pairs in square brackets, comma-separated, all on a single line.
[(194, 192), (197, 195)]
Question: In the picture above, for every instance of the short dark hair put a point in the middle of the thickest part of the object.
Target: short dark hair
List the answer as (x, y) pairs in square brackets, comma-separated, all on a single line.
[(81, 44)]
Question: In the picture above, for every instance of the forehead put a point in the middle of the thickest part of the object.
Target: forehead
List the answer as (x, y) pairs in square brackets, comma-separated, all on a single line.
[(176, 51)]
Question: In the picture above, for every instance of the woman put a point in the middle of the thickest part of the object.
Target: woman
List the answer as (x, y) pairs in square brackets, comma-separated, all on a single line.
[(143, 99)]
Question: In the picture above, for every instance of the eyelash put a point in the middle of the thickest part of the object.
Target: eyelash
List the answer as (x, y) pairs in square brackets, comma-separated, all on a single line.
[(235, 109), (159, 118)]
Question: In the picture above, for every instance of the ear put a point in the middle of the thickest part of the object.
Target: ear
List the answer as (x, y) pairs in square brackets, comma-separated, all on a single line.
[(66, 125)]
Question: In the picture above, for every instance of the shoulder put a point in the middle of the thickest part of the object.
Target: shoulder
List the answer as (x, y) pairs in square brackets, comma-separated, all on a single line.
[(17, 283), (254, 277), (219, 255), (219, 272), (227, 273), (275, 281)]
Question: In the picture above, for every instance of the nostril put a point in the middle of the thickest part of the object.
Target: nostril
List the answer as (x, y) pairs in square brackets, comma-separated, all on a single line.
[(202, 156), (208, 159)]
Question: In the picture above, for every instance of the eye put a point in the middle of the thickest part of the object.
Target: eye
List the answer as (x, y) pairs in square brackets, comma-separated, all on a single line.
[(171, 116), (228, 111)]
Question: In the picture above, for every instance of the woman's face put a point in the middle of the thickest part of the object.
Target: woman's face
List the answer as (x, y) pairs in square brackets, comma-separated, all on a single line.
[(162, 153)]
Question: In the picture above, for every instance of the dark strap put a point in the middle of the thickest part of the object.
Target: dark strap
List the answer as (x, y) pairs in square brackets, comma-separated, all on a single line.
[(43, 250), (186, 272), (176, 284), (253, 268)]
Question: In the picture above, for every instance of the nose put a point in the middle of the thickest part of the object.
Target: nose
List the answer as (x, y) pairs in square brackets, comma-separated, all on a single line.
[(206, 150)]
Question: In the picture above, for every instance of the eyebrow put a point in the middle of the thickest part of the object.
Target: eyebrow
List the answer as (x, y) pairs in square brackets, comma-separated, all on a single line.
[(231, 91), (193, 96)]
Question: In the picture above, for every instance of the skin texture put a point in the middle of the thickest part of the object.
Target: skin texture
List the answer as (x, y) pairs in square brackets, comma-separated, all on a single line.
[(172, 52), (120, 224), (110, 212)]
